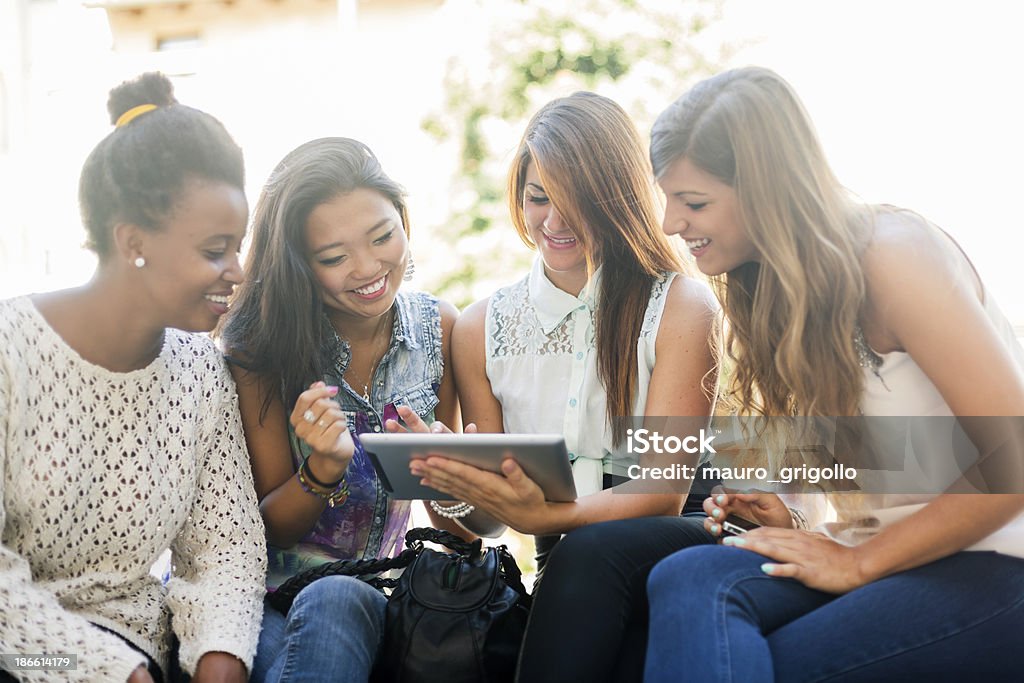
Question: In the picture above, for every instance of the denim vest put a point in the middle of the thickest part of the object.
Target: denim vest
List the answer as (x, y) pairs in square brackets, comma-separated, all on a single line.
[(370, 523)]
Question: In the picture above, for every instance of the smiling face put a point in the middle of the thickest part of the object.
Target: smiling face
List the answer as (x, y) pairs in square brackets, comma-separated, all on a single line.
[(564, 259), (191, 264), (705, 212), (358, 252)]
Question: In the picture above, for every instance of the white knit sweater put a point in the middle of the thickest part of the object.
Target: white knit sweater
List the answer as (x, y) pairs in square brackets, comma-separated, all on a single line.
[(100, 472)]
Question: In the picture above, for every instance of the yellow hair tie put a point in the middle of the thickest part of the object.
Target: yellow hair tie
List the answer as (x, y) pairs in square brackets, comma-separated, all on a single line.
[(134, 113)]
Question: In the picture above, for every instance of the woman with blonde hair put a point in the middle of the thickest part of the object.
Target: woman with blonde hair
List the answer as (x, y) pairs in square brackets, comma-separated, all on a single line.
[(837, 309), (603, 327)]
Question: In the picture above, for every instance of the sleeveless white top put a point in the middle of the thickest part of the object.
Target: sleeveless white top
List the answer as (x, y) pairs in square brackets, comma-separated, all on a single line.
[(542, 366), (901, 388)]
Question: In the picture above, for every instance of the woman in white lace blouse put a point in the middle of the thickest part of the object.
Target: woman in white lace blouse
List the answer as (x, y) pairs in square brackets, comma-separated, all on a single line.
[(119, 430), (602, 327)]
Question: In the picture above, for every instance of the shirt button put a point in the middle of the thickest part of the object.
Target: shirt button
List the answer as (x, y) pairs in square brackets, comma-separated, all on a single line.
[(572, 455), (378, 520), (376, 428), (572, 402), (579, 355)]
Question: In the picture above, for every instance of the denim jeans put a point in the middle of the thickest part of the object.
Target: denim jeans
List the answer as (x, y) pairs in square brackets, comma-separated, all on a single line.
[(331, 634), (715, 616)]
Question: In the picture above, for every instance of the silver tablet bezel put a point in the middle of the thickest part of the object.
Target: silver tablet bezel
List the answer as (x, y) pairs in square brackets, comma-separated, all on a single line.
[(543, 458)]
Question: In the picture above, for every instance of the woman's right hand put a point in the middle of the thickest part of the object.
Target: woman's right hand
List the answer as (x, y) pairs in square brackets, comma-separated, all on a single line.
[(140, 675), (762, 507), (320, 422)]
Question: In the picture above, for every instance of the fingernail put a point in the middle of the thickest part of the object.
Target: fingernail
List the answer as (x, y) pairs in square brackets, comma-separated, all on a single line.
[(732, 540), (715, 529), (768, 567), (436, 427), (716, 513), (332, 390), (720, 500)]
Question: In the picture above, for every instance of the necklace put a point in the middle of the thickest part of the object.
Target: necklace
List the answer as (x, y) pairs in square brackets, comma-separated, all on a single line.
[(377, 355), (369, 380)]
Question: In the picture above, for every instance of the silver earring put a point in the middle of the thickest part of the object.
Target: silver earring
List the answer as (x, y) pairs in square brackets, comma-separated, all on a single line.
[(140, 262), (410, 269)]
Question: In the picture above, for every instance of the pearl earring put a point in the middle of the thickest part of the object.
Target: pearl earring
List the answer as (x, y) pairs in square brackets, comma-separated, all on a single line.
[(140, 262)]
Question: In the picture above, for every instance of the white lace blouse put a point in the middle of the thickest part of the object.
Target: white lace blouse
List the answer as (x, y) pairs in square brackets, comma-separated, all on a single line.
[(100, 472), (542, 366)]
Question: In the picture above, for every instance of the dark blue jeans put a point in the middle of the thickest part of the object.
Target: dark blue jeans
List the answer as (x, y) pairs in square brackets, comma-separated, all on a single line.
[(715, 616)]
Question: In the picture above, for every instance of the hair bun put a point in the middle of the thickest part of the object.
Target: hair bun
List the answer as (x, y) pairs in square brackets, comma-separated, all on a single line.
[(149, 88)]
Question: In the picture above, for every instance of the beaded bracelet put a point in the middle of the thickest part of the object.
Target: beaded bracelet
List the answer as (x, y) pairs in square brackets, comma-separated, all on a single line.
[(335, 494), (457, 511)]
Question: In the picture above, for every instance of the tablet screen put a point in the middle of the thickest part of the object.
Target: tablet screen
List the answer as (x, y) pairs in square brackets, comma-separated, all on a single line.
[(543, 458)]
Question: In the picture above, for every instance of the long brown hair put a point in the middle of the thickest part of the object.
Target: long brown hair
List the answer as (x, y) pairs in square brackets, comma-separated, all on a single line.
[(589, 157), (794, 314), (275, 326)]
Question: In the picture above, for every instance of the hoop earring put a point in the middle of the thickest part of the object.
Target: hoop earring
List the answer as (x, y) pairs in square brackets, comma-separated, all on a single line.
[(410, 269), (139, 262)]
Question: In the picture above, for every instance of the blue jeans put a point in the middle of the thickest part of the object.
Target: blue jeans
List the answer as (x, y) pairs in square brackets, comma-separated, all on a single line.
[(332, 633), (715, 616)]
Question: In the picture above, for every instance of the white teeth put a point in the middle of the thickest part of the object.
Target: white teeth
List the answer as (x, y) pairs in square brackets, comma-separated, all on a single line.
[(562, 240), (697, 244), (373, 287), (218, 299)]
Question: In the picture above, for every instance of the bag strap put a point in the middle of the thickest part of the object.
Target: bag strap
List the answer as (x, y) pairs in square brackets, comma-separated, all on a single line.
[(282, 598), (415, 538)]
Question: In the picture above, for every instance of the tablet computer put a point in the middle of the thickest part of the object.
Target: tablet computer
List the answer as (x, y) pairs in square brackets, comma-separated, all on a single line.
[(542, 456)]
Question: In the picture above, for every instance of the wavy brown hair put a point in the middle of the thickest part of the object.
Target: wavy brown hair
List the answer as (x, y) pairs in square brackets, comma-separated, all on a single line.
[(590, 159), (792, 315)]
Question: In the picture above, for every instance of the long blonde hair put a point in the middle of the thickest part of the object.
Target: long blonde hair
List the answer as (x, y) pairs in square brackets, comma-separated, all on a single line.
[(794, 314), (589, 157)]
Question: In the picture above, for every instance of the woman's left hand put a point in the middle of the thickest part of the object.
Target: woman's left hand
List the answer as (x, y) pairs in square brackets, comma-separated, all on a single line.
[(511, 497), (813, 559)]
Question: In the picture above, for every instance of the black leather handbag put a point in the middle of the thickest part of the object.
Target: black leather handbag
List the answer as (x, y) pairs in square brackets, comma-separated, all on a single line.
[(456, 617)]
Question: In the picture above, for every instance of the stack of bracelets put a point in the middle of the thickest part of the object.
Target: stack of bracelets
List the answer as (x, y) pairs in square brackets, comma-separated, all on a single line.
[(335, 493)]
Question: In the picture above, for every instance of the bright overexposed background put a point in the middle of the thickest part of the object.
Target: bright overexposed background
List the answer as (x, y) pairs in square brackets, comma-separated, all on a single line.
[(914, 100)]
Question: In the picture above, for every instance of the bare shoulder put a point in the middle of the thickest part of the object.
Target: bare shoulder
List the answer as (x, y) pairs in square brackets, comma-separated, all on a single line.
[(449, 314), (690, 307), (471, 322), (915, 276), (907, 253)]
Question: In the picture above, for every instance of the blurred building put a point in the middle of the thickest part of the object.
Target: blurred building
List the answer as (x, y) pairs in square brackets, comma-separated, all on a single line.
[(276, 72)]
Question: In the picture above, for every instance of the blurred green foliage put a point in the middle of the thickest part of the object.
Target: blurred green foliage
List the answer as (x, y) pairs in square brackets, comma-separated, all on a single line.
[(642, 54)]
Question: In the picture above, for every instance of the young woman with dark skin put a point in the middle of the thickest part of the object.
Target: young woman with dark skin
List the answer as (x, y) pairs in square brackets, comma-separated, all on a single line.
[(119, 431)]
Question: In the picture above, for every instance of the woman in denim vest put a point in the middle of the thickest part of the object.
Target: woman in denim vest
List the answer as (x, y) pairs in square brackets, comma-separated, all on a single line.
[(323, 345)]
